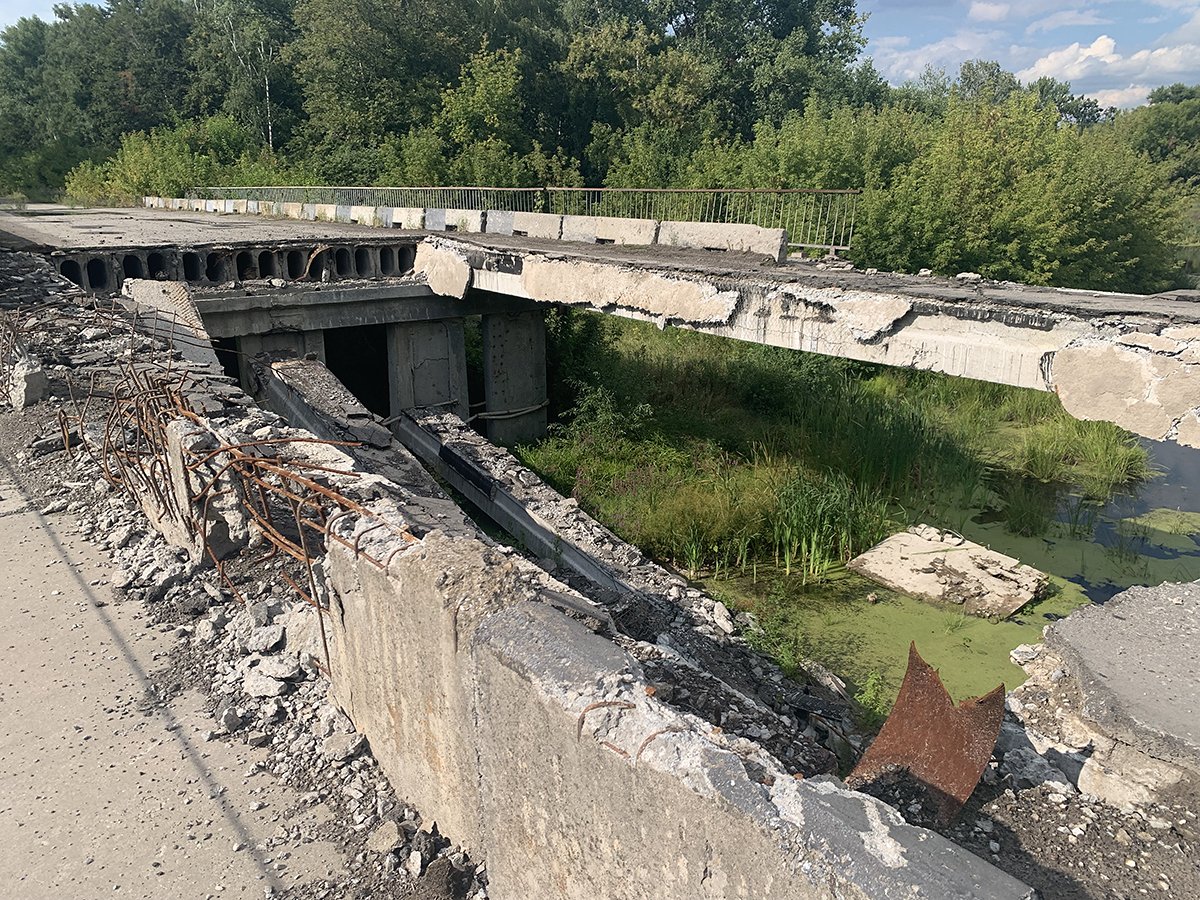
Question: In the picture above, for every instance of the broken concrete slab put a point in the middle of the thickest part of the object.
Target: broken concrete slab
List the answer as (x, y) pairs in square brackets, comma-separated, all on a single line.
[(446, 269), (944, 568), (580, 283), (1137, 660), (166, 309)]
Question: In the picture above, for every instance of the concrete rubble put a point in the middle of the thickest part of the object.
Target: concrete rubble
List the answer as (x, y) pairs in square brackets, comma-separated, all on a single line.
[(945, 568), (687, 642), (1111, 700)]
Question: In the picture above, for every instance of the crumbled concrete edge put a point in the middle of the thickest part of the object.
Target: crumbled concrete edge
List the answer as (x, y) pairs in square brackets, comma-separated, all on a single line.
[(1099, 705), (1146, 382), (25, 381), (686, 639), (830, 841), (1090, 743)]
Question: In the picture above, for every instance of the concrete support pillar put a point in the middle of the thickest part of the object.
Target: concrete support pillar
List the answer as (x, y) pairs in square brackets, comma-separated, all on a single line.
[(427, 365), (514, 377)]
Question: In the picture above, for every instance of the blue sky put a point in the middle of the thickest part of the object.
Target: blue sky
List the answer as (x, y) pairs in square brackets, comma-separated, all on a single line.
[(1114, 50)]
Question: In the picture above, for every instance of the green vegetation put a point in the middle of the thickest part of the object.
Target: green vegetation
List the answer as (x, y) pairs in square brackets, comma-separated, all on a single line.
[(720, 456), (1027, 182), (759, 472)]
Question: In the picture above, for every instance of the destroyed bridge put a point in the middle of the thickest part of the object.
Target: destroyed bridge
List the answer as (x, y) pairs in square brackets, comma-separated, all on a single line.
[(584, 720)]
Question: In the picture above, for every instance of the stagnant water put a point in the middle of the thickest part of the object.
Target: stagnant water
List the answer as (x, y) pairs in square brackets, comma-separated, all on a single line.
[(1146, 535)]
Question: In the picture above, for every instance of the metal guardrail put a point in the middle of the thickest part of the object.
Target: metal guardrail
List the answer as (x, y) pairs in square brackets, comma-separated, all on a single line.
[(814, 219)]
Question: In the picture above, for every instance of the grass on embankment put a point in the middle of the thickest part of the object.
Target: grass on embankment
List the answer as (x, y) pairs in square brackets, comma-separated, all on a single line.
[(763, 471)]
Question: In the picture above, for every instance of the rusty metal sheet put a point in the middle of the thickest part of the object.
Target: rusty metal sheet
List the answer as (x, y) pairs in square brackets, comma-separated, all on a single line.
[(944, 747)]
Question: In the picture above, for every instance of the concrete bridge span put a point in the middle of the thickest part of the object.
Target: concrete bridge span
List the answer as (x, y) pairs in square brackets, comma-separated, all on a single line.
[(1133, 360)]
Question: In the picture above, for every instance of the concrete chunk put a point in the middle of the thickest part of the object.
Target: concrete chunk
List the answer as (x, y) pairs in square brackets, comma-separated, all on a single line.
[(944, 568)]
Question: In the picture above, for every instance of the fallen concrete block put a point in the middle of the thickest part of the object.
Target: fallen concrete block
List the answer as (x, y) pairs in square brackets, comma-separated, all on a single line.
[(27, 384), (609, 230), (770, 242), (945, 568)]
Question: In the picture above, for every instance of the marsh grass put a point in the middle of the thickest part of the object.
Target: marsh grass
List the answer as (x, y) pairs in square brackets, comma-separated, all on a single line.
[(721, 457)]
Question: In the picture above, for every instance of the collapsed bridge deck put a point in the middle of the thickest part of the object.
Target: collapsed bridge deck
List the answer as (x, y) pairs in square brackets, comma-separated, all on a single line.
[(1133, 360)]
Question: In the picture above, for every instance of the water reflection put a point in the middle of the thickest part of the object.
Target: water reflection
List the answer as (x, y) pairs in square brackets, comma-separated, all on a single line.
[(1142, 536)]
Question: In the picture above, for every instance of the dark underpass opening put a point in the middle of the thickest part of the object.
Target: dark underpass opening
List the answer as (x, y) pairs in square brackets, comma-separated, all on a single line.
[(358, 356)]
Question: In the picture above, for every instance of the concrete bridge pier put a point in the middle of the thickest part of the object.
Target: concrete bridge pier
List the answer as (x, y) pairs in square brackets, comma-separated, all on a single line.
[(427, 366), (514, 377)]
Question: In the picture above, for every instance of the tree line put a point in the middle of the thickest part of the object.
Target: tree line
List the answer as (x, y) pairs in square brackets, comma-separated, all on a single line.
[(977, 171)]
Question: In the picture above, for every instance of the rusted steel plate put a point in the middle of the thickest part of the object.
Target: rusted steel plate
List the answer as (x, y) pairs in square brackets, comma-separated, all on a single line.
[(942, 746)]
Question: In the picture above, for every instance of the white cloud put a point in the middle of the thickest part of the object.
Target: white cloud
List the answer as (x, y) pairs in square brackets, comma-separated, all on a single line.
[(982, 11), (900, 62), (1066, 18), (1074, 61), (1188, 32), (1123, 98), (1101, 61)]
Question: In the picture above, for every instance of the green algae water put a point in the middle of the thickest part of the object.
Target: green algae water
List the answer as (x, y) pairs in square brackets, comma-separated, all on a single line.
[(1091, 551)]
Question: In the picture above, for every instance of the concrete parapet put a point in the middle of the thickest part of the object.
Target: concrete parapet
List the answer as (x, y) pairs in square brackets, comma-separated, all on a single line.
[(608, 230), (537, 225), (772, 242), (326, 212), (536, 742), (499, 222), (468, 221), (364, 215), (406, 217)]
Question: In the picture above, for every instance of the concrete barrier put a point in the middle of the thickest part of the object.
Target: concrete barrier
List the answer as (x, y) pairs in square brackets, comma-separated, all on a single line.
[(537, 225), (364, 215), (326, 212), (608, 230), (770, 242), (406, 217), (468, 221)]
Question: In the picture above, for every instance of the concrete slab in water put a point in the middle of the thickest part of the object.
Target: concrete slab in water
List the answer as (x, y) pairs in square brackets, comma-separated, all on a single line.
[(943, 567)]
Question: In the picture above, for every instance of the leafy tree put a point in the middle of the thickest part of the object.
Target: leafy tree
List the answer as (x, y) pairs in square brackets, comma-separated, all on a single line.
[(236, 49), (1075, 109)]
